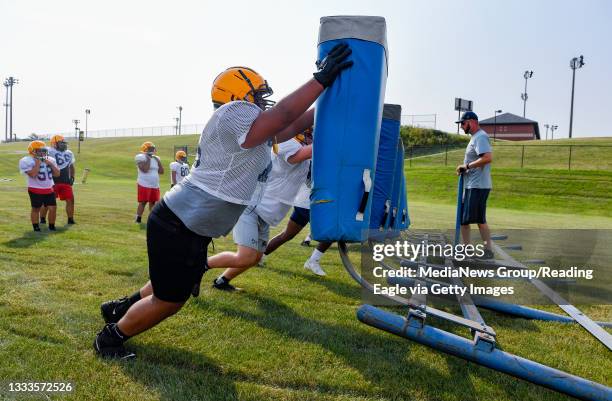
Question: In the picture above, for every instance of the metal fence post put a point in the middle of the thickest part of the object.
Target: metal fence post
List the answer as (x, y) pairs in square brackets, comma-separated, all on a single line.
[(569, 162), (523, 156)]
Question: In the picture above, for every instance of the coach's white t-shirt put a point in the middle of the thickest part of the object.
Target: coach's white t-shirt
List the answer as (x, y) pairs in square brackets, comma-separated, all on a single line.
[(283, 183), (150, 179), (181, 170), (44, 179)]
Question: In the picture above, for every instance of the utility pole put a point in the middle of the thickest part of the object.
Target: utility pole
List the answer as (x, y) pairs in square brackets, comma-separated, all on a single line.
[(547, 127), (176, 126), (552, 131), (495, 123), (180, 109), (87, 112), (575, 63), (6, 104), (528, 74), (8, 83)]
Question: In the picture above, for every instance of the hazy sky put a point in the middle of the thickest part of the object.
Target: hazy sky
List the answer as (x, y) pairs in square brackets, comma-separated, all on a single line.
[(133, 62)]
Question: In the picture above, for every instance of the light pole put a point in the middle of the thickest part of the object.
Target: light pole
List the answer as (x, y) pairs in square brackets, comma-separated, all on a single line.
[(528, 74), (495, 123), (552, 131), (547, 127), (76, 128), (9, 82), (176, 127), (6, 104), (180, 109), (87, 112), (575, 63)]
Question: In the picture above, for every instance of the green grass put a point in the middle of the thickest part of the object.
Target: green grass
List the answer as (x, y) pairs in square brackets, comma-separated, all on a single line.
[(289, 335)]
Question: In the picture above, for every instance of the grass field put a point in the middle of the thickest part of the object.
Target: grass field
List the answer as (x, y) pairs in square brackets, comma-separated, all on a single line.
[(289, 335)]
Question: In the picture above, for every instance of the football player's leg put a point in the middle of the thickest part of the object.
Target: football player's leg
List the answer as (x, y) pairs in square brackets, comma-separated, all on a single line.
[(146, 313), (35, 215), (52, 214), (241, 261), (70, 208), (140, 209), (151, 204), (43, 214), (287, 235)]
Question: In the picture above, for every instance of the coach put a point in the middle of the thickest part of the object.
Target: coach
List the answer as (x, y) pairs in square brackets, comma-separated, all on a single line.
[(476, 168)]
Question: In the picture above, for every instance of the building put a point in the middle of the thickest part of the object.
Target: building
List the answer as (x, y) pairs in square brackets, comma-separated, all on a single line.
[(511, 127)]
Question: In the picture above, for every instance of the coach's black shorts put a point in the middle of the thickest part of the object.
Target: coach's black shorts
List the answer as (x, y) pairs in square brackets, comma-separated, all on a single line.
[(475, 206), (176, 255), (300, 216), (39, 200)]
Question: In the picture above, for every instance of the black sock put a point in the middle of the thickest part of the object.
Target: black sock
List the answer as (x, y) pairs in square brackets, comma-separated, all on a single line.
[(70, 220), (51, 227), (221, 280), (35, 226), (135, 297), (116, 333), (43, 220)]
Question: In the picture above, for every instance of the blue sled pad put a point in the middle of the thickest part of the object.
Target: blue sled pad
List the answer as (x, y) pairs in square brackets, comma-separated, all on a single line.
[(347, 125)]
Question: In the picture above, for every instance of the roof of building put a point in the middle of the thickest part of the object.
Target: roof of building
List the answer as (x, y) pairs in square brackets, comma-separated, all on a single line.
[(510, 119), (507, 118)]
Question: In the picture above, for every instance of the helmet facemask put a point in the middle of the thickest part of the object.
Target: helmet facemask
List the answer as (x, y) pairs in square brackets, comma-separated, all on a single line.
[(61, 146), (260, 94), (41, 152)]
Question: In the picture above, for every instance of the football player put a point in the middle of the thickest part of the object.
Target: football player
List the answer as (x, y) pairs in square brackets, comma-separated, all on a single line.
[(179, 168), (40, 170), (290, 165), (62, 184), (149, 169), (232, 165)]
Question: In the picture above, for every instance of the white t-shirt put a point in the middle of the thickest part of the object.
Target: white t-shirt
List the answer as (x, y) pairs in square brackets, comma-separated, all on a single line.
[(150, 179), (223, 168), (283, 184), (181, 170), (44, 179), (302, 199)]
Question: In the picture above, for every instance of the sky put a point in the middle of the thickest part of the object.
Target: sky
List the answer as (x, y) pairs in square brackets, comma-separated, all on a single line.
[(132, 62)]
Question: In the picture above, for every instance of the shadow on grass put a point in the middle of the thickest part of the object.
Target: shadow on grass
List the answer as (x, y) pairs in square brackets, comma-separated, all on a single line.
[(381, 359), (30, 237), (178, 374), (335, 286)]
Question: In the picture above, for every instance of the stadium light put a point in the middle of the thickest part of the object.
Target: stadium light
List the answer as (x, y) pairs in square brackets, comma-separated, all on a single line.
[(76, 128), (547, 127), (180, 109), (87, 112), (575, 63), (495, 123), (528, 74), (8, 83), (552, 131)]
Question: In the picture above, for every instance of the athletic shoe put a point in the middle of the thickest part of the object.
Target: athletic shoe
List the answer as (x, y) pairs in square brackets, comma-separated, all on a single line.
[(36, 227), (113, 311), (138, 219), (306, 242), (224, 286), (262, 261), (71, 221), (107, 345), (43, 220), (51, 227), (488, 255), (314, 267)]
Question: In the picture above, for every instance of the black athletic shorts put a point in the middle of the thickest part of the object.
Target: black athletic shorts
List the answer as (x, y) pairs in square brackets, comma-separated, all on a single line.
[(475, 206), (300, 216), (39, 200), (176, 255)]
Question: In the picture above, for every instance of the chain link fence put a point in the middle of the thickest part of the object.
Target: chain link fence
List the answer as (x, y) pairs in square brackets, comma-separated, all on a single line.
[(567, 157)]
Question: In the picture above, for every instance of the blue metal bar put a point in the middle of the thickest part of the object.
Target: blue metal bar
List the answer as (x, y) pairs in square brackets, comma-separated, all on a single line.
[(491, 357)]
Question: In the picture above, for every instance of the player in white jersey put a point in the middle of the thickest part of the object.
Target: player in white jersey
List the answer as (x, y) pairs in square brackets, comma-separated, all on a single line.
[(62, 184), (40, 170), (149, 169), (232, 165), (289, 170), (179, 168)]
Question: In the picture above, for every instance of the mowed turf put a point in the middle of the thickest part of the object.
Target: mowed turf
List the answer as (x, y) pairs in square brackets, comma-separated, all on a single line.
[(288, 336)]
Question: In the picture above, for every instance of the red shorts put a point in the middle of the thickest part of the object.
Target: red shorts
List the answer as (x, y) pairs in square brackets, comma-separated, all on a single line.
[(148, 194), (63, 191)]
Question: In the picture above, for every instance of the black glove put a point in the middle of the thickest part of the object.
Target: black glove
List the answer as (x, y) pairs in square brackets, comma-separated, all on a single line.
[(332, 64), (71, 180)]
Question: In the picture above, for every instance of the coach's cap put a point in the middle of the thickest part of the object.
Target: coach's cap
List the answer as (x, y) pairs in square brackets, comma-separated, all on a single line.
[(468, 115)]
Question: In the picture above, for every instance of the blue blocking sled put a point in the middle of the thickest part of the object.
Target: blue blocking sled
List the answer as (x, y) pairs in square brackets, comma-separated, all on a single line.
[(347, 126)]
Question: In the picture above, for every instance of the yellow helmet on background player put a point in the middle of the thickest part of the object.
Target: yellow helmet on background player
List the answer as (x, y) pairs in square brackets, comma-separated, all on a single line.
[(59, 143), (147, 147), (180, 156), (241, 83), (37, 149)]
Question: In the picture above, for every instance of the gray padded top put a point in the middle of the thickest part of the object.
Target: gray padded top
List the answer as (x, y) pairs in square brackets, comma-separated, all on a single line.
[(373, 29), (392, 112)]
